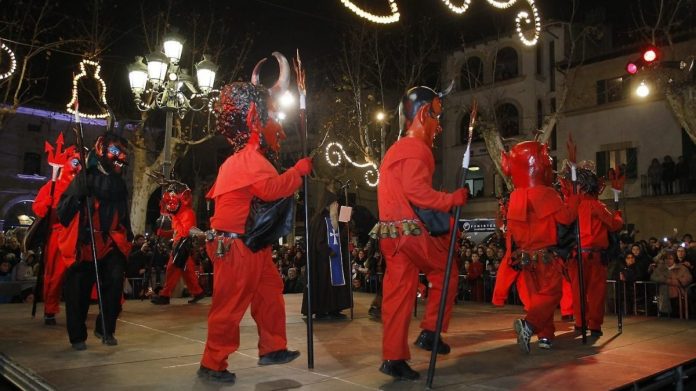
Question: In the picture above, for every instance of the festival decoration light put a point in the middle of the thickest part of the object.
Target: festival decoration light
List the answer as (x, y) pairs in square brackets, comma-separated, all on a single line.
[(335, 153), (13, 61), (523, 16), (459, 9), (394, 17), (502, 4), (102, 89)]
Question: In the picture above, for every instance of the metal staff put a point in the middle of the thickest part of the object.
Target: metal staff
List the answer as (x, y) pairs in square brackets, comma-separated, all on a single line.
[(79, 135), (450, 255), (581, 275), (301, 89), (616, 186), (350, 261)]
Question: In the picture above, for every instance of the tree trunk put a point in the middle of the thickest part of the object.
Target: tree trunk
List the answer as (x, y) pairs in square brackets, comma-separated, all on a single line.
[(494, 145), (684, 108)]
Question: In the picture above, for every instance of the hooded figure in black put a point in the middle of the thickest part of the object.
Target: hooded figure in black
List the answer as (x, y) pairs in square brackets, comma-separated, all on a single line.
[(330, 270)]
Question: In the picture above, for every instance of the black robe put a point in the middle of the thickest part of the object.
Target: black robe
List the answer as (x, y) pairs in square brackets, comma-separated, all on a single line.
[(326, 298)]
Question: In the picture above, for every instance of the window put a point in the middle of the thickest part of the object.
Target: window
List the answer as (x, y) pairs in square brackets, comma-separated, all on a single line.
[(508, 120), (475, 186), (612, 90), (539, 60), (472, 74), (627, 158), (552, 66), (506, 64), (32, 164)]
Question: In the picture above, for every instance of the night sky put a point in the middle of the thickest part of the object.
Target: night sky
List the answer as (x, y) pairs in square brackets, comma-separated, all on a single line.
[(315, 27)]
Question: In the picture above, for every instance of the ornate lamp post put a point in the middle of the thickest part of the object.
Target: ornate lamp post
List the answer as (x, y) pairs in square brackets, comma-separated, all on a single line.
[(162, 83), (380, 116)]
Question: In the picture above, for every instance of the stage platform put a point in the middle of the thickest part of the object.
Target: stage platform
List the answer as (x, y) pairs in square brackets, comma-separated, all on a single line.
[(160, 348)]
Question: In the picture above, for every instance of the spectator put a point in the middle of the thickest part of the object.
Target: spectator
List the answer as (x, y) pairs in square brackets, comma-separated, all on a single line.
[(669, 174), (682, 172), (24, 270), (673, 279), (475, 277), (655, 177), (641, 259), (5, 276), (682, 260), (293, 283), (654, 247)]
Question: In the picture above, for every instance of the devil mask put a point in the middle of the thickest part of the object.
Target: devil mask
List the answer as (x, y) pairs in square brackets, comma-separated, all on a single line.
[(111, 152), (528, 164), (588, 181), (72, 165), (419, 113), (176, 196)]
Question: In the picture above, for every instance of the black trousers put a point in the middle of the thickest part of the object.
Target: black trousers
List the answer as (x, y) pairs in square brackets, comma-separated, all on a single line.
[(77, 289)]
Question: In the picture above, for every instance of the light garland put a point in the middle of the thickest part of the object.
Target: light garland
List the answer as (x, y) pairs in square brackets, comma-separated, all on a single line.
[(102, 90), (459, 10), (394, 17), (502, 4), (13, 61), (335, 157), (537, 24)]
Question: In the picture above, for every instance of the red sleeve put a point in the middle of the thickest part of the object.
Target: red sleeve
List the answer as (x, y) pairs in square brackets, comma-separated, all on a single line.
[(417, 186), (278, 187), (613, 221), (568, 212), (42, 202)]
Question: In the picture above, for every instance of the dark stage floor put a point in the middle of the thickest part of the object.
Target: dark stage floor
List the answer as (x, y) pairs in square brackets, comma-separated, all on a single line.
[(160, 348)]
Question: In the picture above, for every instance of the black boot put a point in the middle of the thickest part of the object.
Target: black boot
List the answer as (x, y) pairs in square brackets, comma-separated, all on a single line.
[(108, 340), (50, 319), (279, 357), (398, 369), (160, 300), (195, 299), (216, 376), (426, 340)]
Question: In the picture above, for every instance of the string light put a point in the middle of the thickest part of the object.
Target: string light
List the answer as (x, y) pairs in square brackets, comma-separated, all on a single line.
[(394, 17), (13, 61), (335, 153), (102, 89), (523, 15), (462, 9), (501, 4)]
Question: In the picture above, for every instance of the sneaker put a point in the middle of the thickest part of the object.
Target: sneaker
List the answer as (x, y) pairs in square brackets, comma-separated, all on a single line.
[(279, 357), (216, 376), (108, 340), (79, 346), (398, 369), (160, 300), (596, 333), (195, 299), (426, 340), (524, 334), (545, 343), (50, 319)]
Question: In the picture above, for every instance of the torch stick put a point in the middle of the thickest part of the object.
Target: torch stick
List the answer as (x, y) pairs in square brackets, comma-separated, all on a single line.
[(450, 254), (301, 88), (617, 181), (88, 207)]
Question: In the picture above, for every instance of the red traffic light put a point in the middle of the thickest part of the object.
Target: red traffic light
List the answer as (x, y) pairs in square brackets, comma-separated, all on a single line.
[(650, 55), (631, 68)]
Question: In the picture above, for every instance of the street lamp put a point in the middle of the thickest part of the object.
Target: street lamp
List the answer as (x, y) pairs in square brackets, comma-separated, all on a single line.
[(643, 90), (162, 84)]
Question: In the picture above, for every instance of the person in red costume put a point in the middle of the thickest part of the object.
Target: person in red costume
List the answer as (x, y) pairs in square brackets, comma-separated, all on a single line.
[(243, 277), (176, 203), (405, 181), (104, 184), (65, 164), (533, 213), (595, 223)]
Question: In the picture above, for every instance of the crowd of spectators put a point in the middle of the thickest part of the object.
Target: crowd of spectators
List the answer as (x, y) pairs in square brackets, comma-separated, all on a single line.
[(670, 177), (16, 268)]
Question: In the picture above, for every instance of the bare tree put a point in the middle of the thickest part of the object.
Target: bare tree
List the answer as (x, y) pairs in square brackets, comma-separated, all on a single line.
[(206, 34)]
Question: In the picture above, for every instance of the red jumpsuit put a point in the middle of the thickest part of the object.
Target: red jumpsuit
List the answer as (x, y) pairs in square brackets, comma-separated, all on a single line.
[(532, 217), (596, 221), (54, 264), (406, 177), (182, 222), (505, 277), (241, 276)]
